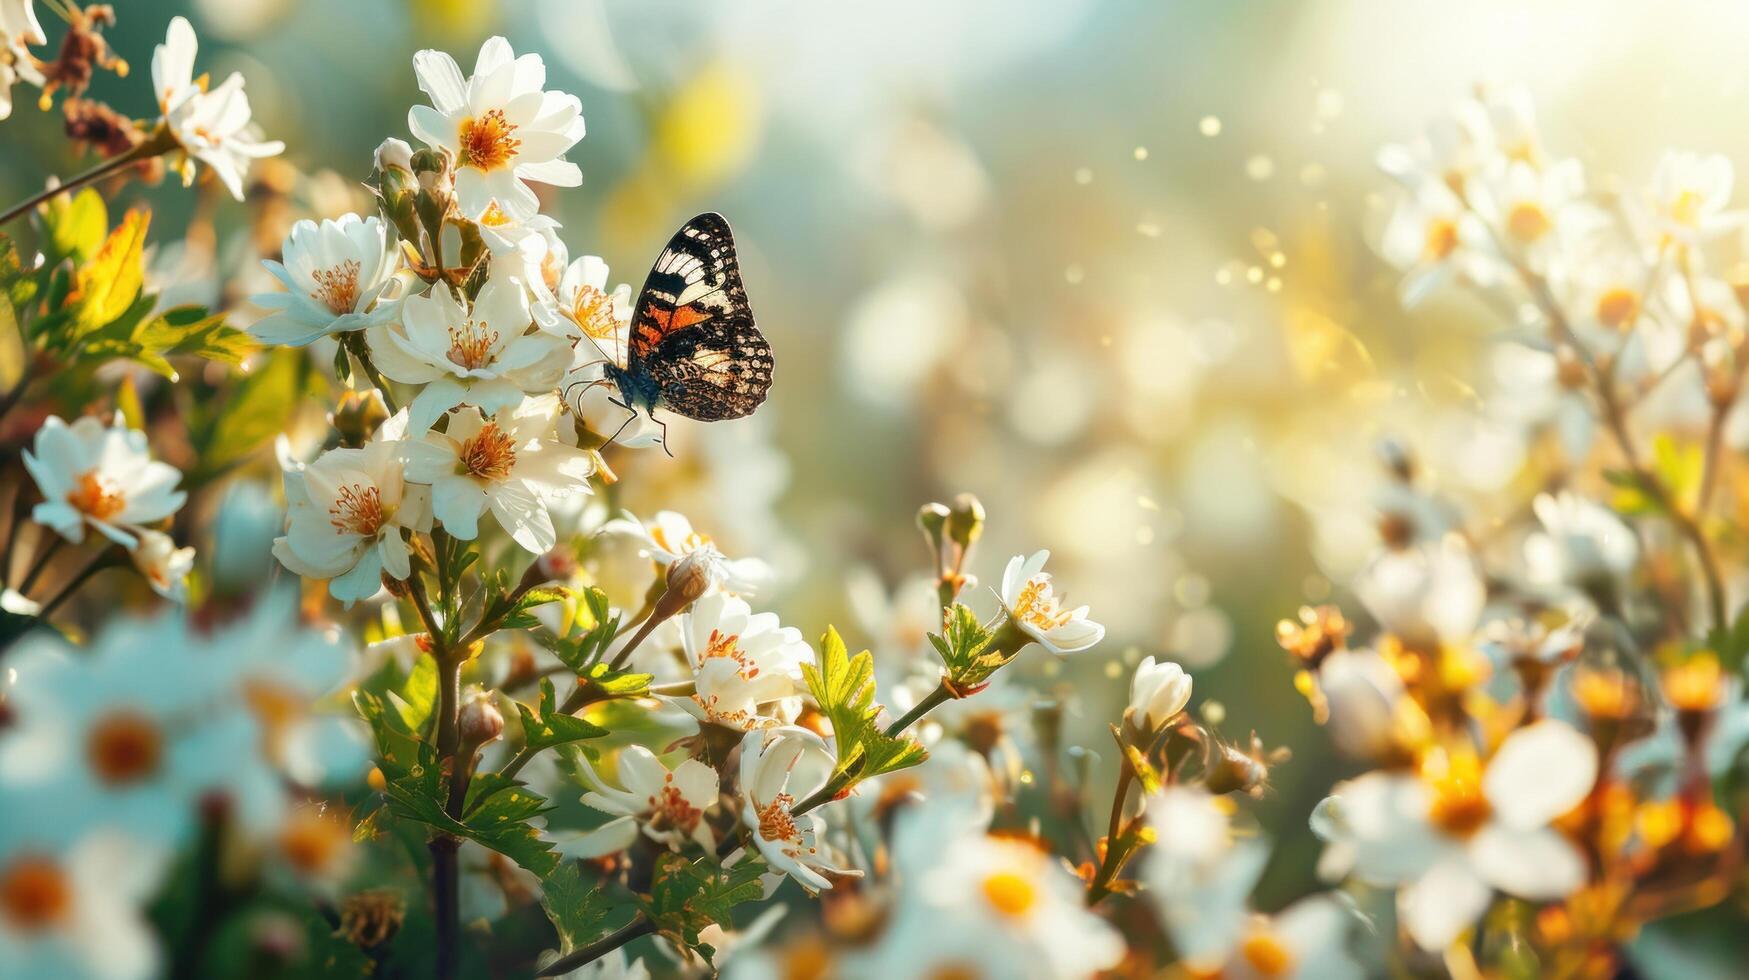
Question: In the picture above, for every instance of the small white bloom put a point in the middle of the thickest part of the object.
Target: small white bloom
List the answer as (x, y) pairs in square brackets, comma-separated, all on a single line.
[(1689, 196), (100, 476), (1529, 207), (502, 129), (511, 463), (747, 666), (337, 276), (587, 307), (345, 513), (1031, 604), (669, 535), (77, 910), (1581, 542), (212, 127), (1434, 240), (394, 152), (668, 804), (164, 565), (779, 767), (485, 356), (1158, 692), (1425, 593)]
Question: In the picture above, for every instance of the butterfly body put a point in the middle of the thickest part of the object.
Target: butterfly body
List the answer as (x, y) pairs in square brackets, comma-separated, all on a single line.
[(694, 348)]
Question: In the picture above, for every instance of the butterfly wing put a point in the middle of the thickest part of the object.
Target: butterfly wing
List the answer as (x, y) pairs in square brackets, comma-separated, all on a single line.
[(693, 335)]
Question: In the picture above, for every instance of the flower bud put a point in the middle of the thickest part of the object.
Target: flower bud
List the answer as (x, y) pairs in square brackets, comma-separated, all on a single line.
[(558, 564), (394, 154), (436, 189), (932, 518), (1241, 769), (357, 416), (480, 721), (965, 523), (689, 577), (1158, 692)]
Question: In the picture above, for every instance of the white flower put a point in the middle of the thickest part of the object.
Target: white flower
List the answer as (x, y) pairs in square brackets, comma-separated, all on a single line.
[(669, 535), (1689, 195), (586, 307), (1581, 542), (337, 276), (164, 565), (780, 767), (103, 477), (747, 667), (18, 27), (1433, 239), (1158, 692), (1453, 833), (502, 129), (1030, 603), (393, 153), (1424, 594), (668, 804), (1529, 207), (596, 400), (212, 127), (511, 463), (345, 513), (1308, 939), (77, 909), (484, 356), (1361, 690), (1198, 874)]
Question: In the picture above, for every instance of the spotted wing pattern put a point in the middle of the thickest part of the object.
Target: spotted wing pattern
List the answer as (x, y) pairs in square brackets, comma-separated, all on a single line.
[(692, 331)]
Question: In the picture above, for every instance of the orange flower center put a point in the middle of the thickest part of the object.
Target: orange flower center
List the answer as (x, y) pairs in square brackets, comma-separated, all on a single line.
[(668, 806), (725, 646), (337, 288), (1010, 894), (692, 542), (470, 345), (775, 822), (1458, 806), (592, 311), (488, 455), (487, 142), (1037, 607), (358, 510), (312, 840), (34, 893), (1618, 307), (1266, 954), (92, 500), (1528, 222), (494, 216), (1442, 240), (124, 747)]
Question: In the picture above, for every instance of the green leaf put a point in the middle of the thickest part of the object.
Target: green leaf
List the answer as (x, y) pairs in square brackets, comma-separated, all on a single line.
[(106, 285), (592, 631), (552, 726), (965, 648), (844, 686), (192, 331), (687, 895), (399, 748), (578, 910), (497, 813), (73, 226), (616, 683), (255, 412), (519, 617), (418, 696), (14, 353)]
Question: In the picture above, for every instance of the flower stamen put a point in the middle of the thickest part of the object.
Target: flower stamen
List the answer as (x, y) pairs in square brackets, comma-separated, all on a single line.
[(486, 142)]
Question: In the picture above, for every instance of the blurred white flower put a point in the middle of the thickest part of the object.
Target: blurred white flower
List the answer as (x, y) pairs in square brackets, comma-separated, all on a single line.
[(1452, 833), (511, 463), (1529, 208), (1433, 239), (337, 276), (1198, 874), (213, 127), (18, 28), (100, 476), (1361, 691), (484, 356), (1424, 594), (668, 805), (1581, 543), (1308, 939), (164, 565), (779, 767), (1030, 603), (747, 666), (345, 513), (502, 129), (77, 910), (1158, 692), (1689, 196), (669, 535)]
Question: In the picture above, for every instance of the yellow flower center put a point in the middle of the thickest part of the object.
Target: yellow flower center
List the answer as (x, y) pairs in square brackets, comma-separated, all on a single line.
[(470, 345), (489, 455), (775, 822), (337, 288), (1442, 240), (1618, 307), (313, 840), (358, 510), (592, 311), (1455, 782), (1037, 606), (494, 216), (487, 142), (1266, 954), (91, 499), (1009, 893), (124, 747), (1696, 684), (1685, 208), (1528, 222), (34, 893)]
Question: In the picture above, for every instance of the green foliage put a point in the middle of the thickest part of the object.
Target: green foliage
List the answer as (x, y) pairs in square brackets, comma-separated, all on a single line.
[(399, 749), (844, 686), (966, 648), (550, 726), (495, 813), (688, 895), (591, 631), (250, 416), (1731, 643), (1679, 468), (418, 695), (73, 227), (577, 909)]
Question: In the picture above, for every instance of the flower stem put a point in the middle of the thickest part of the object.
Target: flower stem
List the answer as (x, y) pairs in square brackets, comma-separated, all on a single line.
[(158, 144), (635, 929), (940, 695), (103, 560), (354, 341), (42, 562)]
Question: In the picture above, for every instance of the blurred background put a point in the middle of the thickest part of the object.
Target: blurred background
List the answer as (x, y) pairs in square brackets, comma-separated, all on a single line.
[(1103, 263)]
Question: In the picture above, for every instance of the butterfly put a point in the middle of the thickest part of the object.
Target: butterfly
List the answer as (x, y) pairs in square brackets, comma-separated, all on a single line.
[(693, 347)]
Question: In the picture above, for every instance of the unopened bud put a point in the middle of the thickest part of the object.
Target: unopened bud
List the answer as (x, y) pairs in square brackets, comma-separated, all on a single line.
[(932, 517), (394, 154), (557, 565), (965, 523), (358, 415), (1238, 769), (689, 577), (1569, 369), (480, 721), (1158, 692)]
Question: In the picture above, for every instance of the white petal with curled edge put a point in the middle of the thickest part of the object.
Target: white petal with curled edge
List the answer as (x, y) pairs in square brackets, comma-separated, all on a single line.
[(1540, 772)]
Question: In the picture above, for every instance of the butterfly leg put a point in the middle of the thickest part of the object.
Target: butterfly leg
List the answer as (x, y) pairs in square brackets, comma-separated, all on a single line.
[(664, 426), (631, 414)]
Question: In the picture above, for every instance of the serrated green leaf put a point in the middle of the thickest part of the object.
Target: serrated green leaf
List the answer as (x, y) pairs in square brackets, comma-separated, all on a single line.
[(551, 726), (192, 331), (399, 748), (578, 909), (844, 687), (687, 895), (964, 646), (497, 814), (592, 630), (616, 683), (418, 696)]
